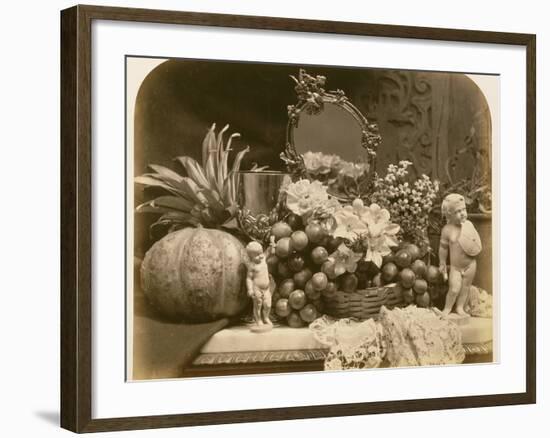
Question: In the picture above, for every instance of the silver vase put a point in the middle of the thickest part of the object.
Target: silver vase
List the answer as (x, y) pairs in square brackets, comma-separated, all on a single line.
[(259, 195)]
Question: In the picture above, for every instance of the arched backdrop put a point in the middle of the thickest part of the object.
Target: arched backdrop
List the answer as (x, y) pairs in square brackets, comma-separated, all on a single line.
[(424, 117)]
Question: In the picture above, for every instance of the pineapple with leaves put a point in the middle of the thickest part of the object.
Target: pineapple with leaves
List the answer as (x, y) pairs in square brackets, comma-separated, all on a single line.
[(207, 196)]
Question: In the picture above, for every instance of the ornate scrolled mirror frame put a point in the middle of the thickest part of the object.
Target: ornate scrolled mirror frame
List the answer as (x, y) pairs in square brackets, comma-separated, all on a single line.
[(312, 98)]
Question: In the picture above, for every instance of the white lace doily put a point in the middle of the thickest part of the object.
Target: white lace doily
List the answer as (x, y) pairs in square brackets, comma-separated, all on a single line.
[(352, 344), (400, 337), (417, 336)]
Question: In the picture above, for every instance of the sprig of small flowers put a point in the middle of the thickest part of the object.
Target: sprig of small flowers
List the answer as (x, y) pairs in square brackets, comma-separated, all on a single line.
[(409, 203)]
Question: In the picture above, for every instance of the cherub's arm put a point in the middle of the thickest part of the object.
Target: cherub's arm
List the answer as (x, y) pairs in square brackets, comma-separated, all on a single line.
[(443, 251), (250, 281)]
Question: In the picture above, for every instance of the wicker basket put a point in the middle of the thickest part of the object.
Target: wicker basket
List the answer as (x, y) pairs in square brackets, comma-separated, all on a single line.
[(364, 303)]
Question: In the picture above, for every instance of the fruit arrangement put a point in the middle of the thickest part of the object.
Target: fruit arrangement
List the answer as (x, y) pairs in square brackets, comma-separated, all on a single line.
[(323, 246), (418, 282), (306, 275)]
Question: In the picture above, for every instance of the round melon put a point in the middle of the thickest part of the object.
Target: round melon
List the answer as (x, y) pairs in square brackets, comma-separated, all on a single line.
[(196, 274)]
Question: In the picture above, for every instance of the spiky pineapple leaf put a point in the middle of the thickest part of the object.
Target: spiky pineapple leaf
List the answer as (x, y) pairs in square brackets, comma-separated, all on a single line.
[(172, 222), (227, 195), (232, 210), (194, 171), (206, 143), (165, 172), (225, 156), (256, 168), (219, 142), (150, 181), (172, 187), (239, 158), (192, 191), (178, 217), (232, 224), (220, 157), (213, 199), (211, 163), (155, 210), (173, 202)]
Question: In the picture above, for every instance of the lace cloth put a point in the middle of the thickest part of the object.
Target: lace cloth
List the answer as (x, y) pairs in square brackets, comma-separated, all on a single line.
[(400, 337), (352, 344), (480, 303)]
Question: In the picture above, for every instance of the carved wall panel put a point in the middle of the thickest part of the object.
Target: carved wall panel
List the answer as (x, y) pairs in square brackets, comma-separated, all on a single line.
[(425, 117)]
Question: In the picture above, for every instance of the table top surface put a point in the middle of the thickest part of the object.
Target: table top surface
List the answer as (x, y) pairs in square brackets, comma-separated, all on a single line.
[(240, 338)]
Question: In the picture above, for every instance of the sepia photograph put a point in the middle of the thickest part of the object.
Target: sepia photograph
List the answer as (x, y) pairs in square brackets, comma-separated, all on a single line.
[(285, 218)]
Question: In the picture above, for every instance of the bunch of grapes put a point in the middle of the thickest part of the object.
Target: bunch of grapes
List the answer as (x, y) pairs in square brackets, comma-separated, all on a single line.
[(417, 282), (305, 275), (300, 264)]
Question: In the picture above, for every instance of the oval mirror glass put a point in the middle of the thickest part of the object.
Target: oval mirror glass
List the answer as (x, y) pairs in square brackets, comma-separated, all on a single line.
[(332, 131)]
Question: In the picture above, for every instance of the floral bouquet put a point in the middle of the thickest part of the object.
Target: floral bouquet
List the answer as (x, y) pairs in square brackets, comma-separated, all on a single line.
[(367, 229)]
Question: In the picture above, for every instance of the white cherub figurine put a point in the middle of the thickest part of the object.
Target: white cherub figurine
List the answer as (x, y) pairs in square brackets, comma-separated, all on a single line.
[(460, 240), (259, 286)]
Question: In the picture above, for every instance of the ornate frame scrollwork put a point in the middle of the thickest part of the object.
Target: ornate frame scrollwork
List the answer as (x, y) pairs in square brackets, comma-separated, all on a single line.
[(312, 98)]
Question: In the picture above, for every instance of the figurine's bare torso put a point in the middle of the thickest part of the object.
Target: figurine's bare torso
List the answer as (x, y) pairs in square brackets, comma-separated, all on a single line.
[(459, 259), (259, 274)]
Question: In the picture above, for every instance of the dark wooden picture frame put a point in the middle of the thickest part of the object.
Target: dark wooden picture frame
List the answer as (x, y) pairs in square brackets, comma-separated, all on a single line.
[(76, 218)]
